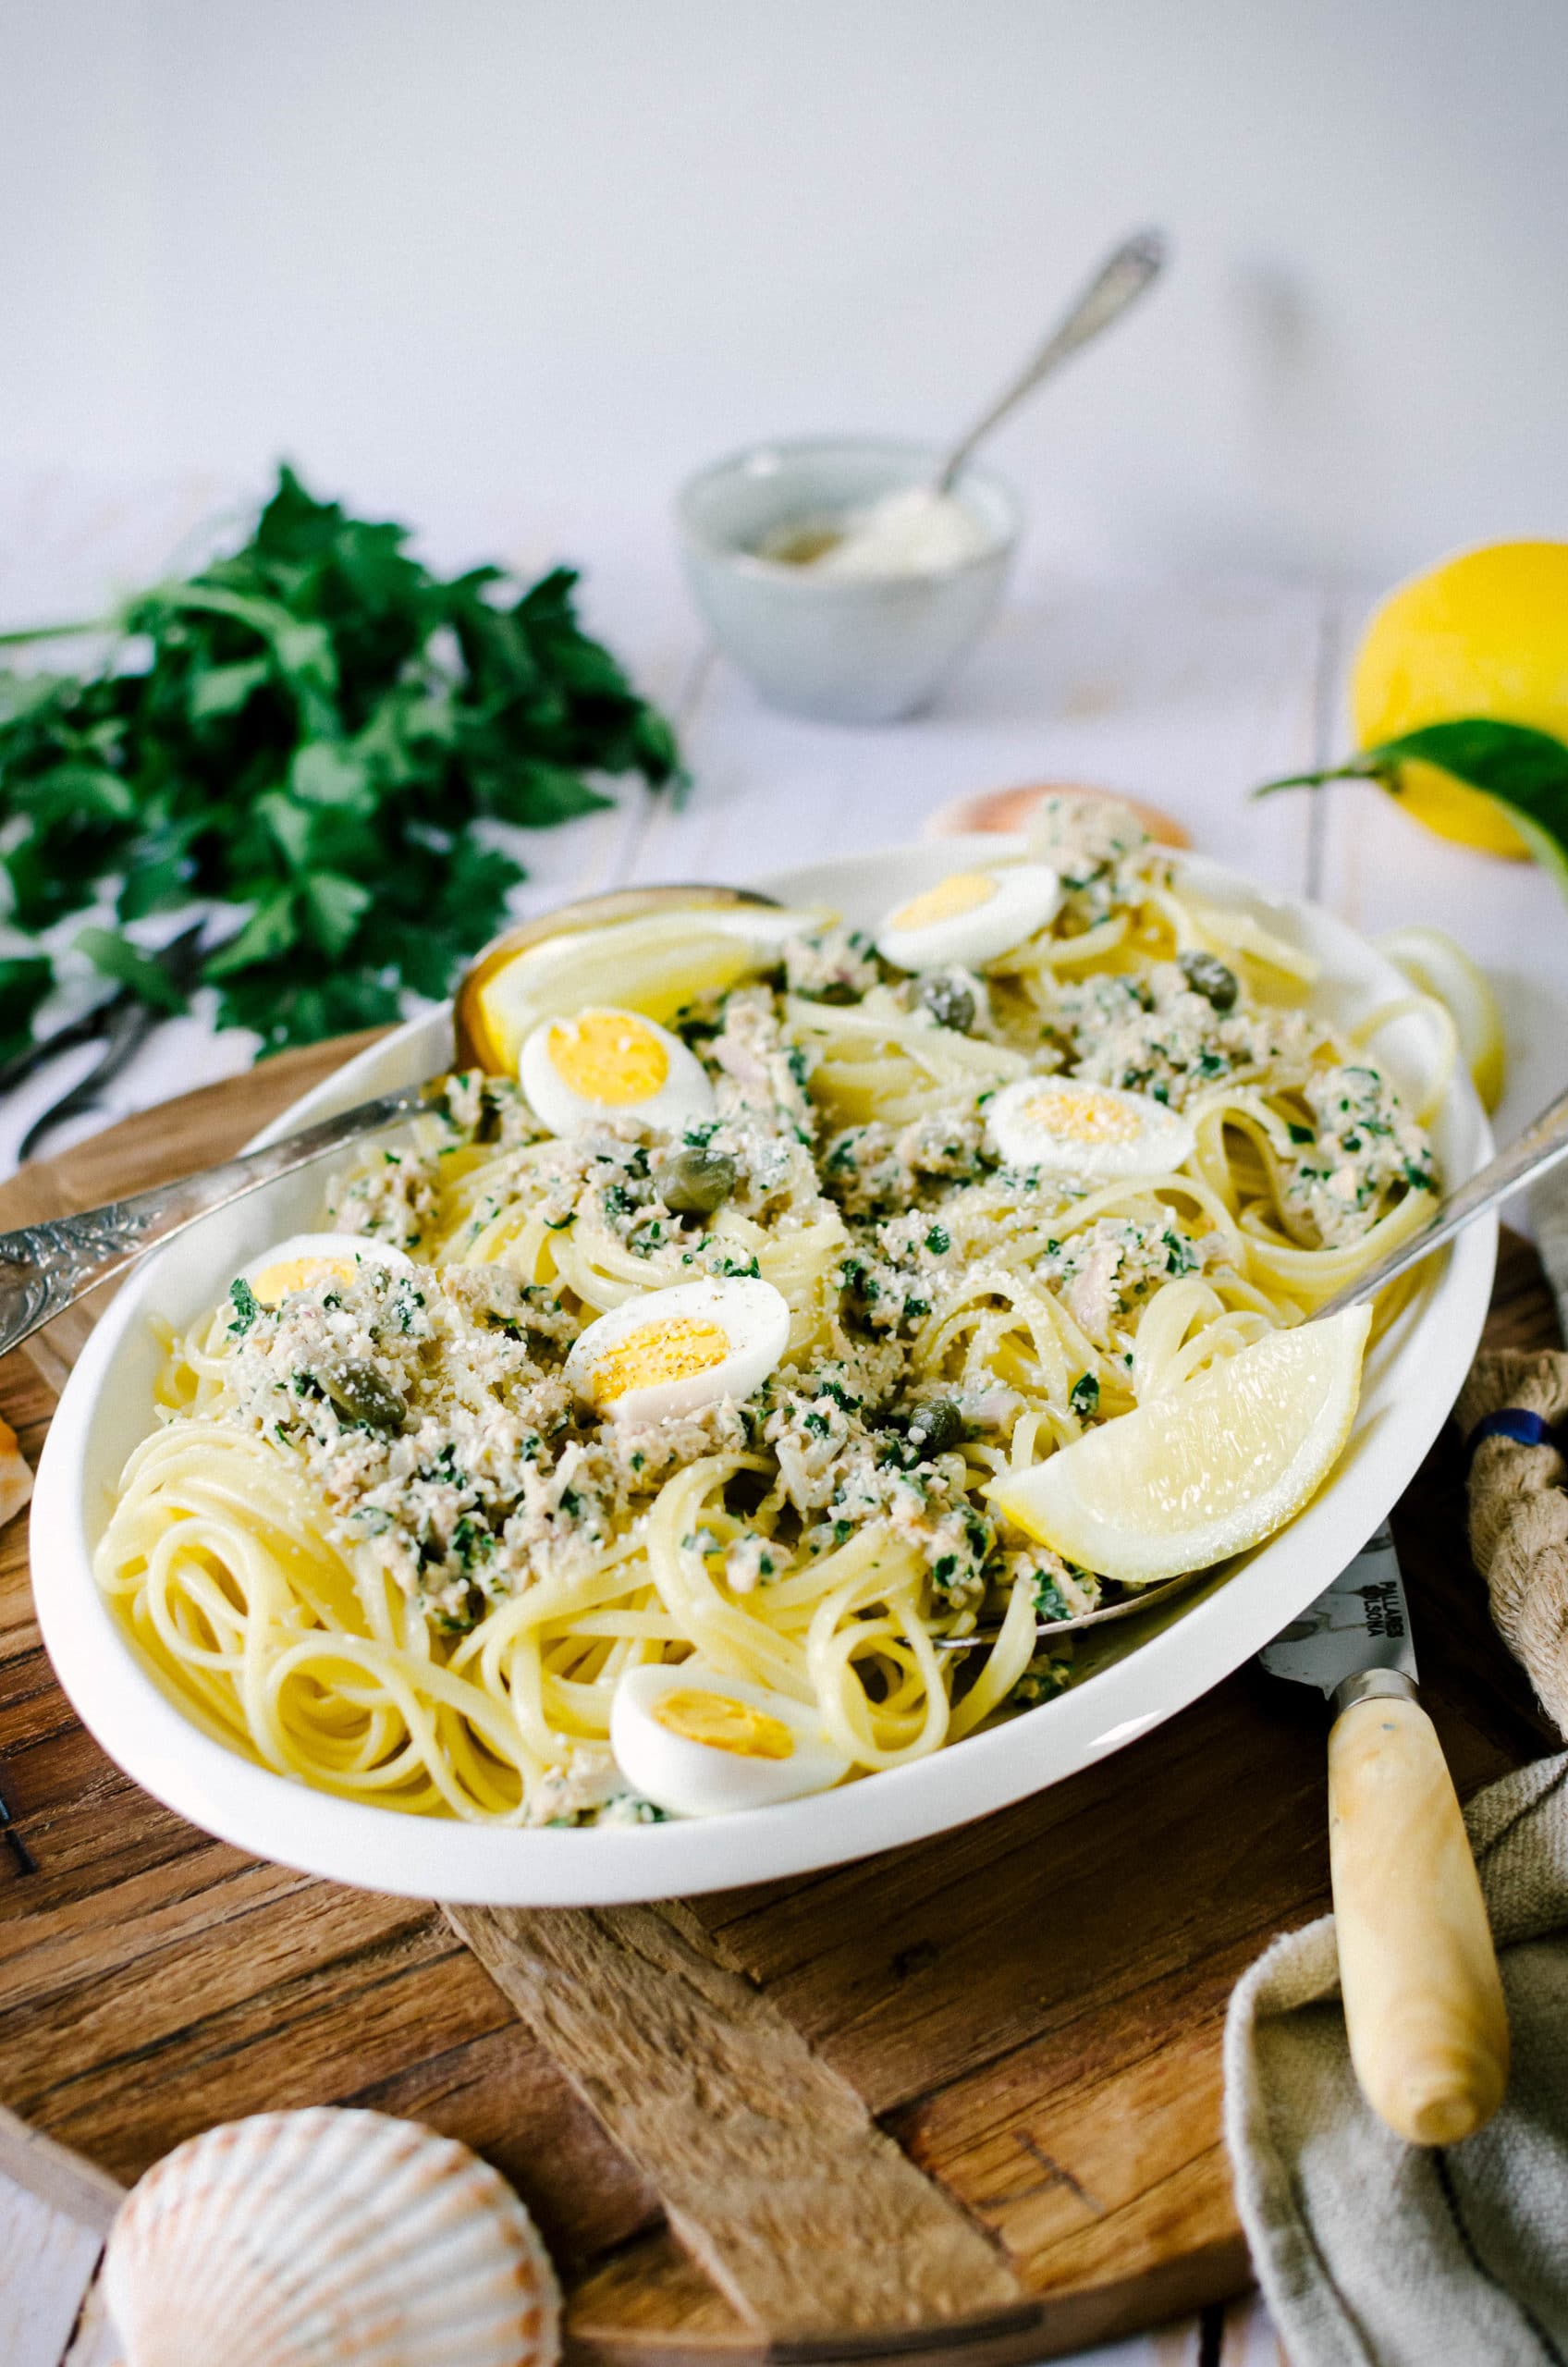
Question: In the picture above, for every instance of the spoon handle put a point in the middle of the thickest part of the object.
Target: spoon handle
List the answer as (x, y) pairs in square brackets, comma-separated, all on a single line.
[(1537, 1149), (46, 1268), (1121, 279)]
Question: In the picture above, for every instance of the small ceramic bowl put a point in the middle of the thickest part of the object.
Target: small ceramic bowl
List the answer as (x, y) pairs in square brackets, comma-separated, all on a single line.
[(842, 649)]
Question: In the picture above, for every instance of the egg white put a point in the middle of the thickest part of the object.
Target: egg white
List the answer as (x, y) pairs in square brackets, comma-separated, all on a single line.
[(753, 1316), (690, 1778), (684, 1099), (1026, 898), (1111, 1136), (343, 1251)]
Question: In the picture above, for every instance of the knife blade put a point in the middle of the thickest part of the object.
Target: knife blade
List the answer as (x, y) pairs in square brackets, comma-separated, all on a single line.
[(1423, 2000), (1358, 1625)]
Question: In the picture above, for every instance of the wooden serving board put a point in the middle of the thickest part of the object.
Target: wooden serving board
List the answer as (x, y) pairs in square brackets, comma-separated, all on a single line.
[(961, 2101)]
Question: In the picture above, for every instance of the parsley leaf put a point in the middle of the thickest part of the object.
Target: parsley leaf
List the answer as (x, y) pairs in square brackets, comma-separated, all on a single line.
[(246, 1308), (321, 732)]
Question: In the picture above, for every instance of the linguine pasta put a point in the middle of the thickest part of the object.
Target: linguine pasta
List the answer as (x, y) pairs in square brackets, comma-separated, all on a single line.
[(377, 1544)]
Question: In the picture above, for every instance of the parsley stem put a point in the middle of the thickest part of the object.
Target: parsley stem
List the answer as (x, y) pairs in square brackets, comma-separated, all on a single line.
[(25, 633)]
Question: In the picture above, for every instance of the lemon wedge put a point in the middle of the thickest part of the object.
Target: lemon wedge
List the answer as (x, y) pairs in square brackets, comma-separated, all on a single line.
[(1437, 966), (1205, 1472), (656, 963)]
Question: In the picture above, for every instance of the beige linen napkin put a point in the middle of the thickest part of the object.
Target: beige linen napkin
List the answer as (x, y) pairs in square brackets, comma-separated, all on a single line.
[(1375, 2254)]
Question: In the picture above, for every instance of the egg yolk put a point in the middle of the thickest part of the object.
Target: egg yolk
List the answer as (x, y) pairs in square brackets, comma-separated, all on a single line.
[(1083, 1118), (964, 892), (723, 1725), (655, 1352), (273, 1283), (609, 1057)]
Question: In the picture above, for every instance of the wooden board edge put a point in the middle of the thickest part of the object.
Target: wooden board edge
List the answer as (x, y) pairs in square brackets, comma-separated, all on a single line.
[(1049, 2327)]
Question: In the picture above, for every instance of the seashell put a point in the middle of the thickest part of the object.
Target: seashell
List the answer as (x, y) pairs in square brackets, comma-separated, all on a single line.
[(1009, 809), (328, 2238)]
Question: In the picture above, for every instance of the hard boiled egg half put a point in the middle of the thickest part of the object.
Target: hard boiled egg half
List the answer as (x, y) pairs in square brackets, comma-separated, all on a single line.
[(1063, 1125), (675, 1351), (971, 917), (309, 1257), (611, 1063), (699, 1744)]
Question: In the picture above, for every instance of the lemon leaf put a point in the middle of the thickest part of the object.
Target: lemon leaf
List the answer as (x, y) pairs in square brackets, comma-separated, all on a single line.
[(1524, 769)]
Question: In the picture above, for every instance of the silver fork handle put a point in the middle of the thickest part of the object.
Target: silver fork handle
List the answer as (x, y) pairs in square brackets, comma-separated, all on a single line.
[(46, 1268), (1535, 1152)]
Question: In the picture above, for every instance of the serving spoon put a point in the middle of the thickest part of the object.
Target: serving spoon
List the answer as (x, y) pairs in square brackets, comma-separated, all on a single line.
[(46, 1268)]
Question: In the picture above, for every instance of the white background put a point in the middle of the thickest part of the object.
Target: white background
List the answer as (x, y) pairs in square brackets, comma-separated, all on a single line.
[(497, 249)]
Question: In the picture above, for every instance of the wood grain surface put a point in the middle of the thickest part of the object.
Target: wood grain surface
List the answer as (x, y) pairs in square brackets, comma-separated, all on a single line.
[(1005, 2040), (771, 2172)]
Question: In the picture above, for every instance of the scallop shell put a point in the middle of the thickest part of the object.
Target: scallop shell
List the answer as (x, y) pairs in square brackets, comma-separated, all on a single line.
[(328, 2238)]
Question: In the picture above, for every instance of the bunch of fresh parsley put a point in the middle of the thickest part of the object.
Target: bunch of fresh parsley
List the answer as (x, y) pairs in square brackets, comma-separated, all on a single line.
[(307, 731)]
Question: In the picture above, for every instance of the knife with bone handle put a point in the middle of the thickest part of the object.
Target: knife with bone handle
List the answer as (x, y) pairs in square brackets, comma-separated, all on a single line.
[(1423, 2000)]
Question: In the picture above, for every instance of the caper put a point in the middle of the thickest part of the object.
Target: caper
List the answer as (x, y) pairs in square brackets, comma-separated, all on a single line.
[(948, 1001), (692, 1183), (936, 1428), (1208, 976), (358, 1392)]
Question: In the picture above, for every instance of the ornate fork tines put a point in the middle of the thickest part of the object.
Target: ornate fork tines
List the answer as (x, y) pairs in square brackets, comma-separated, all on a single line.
[(46, 1268)]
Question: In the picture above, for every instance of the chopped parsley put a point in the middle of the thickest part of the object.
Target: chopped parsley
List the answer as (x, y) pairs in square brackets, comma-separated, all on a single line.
[(247, 1306)]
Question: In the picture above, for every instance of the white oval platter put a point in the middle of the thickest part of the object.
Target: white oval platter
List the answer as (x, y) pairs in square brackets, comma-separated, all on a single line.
[(1146, 1672)]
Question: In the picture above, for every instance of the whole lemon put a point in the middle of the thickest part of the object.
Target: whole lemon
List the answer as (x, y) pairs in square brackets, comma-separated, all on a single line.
[(1486, 634)]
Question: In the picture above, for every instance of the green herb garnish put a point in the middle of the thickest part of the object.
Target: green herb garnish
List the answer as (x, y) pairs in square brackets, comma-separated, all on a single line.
[(309, 729), (247, 1306)]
